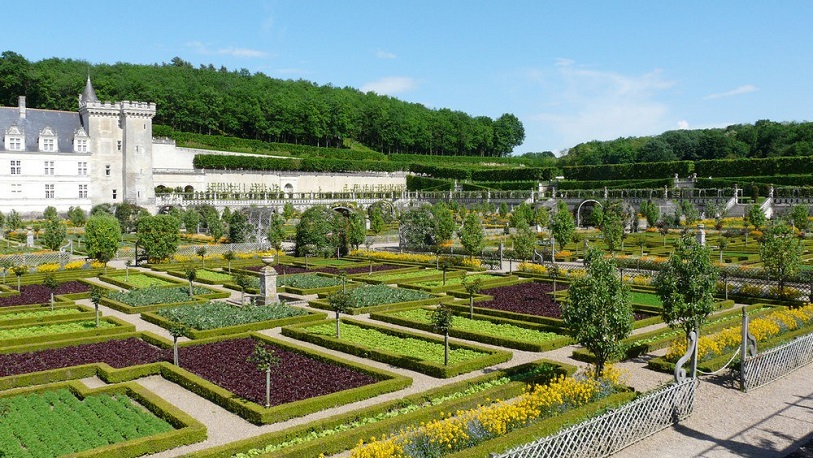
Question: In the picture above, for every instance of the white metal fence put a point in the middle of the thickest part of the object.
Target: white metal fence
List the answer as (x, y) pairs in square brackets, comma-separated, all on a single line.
[(612, 431), (770, 365)]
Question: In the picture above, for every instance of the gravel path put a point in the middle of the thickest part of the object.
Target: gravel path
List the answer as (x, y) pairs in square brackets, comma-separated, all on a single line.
[(772, 421)]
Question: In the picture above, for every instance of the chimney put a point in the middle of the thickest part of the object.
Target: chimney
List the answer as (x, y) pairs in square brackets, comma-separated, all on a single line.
[(21, 103)]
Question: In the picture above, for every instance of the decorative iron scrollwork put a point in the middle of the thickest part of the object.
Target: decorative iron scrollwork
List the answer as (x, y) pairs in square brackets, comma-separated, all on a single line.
[(680, 371)]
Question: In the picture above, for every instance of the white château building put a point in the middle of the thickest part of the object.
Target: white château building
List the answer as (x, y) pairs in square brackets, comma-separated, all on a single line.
[(105, 153)]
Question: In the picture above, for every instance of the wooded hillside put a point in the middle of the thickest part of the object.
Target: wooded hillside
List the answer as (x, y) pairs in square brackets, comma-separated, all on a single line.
[(254, 106)]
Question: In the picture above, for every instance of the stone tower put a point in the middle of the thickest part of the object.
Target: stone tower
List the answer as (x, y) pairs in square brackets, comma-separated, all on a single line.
[(121, 149)]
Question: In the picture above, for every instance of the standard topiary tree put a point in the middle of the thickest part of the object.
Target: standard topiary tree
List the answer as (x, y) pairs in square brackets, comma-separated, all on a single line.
[(244, 282), (229, 257), (96, 295), (159, 235), (50, 281), (201, 251), (19, 271), (472, 286), (800, 217), (177, 330), (191, 275), (54, 233), (6, 264), (276, 233), (686, 286), (598, 310), (754, 217), (442, 321), (265, 359), (340, 302)]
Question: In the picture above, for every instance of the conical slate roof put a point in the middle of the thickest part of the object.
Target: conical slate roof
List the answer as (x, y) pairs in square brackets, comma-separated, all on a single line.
[(89, 95)]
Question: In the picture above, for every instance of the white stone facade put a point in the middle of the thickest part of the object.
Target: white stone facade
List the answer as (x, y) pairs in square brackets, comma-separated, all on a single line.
[(105, 153)]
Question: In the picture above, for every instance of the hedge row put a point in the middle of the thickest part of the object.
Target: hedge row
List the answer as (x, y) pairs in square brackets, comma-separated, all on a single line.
[(615, 184), (229, 162), (490, 357), (640, 171), (754, 166), (501, 186), (119, 327), (418, 183), (81, 313), (514, 174)]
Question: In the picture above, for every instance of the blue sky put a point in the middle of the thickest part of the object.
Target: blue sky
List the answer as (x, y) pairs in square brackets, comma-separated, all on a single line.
[(572, 71)]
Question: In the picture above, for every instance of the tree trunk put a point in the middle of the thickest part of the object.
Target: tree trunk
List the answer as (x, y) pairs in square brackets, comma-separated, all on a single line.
[(175, 350), (97, 315), (446, 348), (471, 306), (52, 300), (338, 335), (268, 387)]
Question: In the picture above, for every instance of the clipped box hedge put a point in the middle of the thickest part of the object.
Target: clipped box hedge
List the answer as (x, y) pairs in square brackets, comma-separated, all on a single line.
[(324, 304), (186, 430), (490, 357), (117, 279), (552, 344), (81, 313), (195, 334), (120, 326)]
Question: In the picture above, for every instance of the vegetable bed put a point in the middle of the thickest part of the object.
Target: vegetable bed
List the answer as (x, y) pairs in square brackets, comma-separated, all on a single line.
[(212, 315), (54, 423), (369, 298), (41, 294), (403, 349)]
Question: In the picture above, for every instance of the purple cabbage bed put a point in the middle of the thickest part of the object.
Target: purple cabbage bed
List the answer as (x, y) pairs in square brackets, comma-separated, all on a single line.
[(41, 294), (297, 377)]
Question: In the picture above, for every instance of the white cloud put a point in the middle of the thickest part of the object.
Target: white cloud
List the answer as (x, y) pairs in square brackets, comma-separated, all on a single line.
[(201, 48), (744, 89), (582, 104), (683, 124), (381, 54), (389, 85)]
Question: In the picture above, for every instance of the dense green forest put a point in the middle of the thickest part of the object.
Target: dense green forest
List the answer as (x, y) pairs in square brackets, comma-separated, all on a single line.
[(760, 140), (237, 103)]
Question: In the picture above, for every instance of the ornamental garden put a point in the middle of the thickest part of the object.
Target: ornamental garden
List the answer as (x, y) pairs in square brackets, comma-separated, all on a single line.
[(331, 366)]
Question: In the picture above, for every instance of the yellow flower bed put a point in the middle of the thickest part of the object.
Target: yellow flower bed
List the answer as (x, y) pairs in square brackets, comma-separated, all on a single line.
[(763, 328), (466, 428), (73, 265), (97, 265), (49, 267)]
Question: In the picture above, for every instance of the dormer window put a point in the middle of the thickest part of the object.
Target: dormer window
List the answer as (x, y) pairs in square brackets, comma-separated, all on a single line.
[(80, 141), (47, 140), (14, 139)]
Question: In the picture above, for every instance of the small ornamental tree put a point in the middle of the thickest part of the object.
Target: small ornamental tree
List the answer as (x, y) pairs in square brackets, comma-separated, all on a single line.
[(524, 242), (265, 359), (243, 281), (598, 310), (781, 254), (96, 295), (201, 251), (612, 228), (472, 236), (276, 233), (442, 320), (176, 330), (472, 286), (54, 233), (562, 225), (238, 227), (686, 286), (377, 221), (229, 257), (50, 281), (651, 212), (340, 302), (19, 271), (191, 274), (102, 237), (800, 217), (159, 235), (127, 265), (723, 244), (753, 217)]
